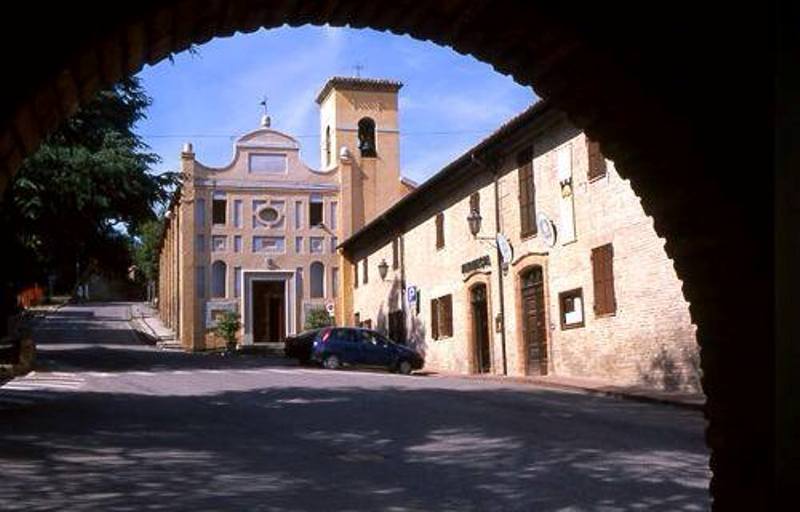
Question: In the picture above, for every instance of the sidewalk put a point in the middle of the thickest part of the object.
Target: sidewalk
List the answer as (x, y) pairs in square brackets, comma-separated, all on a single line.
[(694, 401), (144, 319)]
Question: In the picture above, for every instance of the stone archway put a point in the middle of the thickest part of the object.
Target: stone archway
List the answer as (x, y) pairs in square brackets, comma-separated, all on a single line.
[(657, 93)]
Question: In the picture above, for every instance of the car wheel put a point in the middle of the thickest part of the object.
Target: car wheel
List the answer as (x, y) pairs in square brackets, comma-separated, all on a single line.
[(404, 367), (332, 362)]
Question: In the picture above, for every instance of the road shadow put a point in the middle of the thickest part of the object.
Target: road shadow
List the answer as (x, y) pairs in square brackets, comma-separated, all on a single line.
[(314, 447)]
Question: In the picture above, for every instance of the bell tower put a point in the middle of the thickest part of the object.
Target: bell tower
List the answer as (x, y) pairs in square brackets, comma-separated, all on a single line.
[(360, 135)]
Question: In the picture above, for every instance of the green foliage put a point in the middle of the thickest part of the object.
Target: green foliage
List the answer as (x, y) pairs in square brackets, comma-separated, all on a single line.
[(228, 327), (317, 317), (145, 251), (79, 199)]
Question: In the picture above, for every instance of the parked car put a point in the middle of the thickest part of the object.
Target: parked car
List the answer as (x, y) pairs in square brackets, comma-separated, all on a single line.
[(334, 347), (299, 345)]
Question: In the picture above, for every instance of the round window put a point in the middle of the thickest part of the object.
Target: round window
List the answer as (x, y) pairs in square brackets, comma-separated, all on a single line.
[(268, 215)]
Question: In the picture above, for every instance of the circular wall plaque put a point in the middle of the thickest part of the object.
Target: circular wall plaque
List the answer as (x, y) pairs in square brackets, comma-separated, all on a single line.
[(547, 229)]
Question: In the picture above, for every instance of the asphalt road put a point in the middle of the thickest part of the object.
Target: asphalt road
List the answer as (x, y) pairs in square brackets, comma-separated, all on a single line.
[(111, 424)]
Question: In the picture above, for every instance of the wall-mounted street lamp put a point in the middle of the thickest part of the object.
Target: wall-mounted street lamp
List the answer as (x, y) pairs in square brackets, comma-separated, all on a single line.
[(474, 220), (383, 268)]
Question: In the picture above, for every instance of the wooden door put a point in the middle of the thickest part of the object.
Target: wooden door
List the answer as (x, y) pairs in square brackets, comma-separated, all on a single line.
[(533, 321), (480, 329)]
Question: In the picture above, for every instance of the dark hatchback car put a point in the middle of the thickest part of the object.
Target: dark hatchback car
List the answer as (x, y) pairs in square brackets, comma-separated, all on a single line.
[(335, 347)]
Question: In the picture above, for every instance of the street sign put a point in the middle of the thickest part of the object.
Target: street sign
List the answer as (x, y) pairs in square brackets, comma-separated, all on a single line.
[(506, 252), (411, 295)]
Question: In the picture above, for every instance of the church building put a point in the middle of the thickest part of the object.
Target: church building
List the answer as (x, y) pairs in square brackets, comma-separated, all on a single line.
[(259, 236)]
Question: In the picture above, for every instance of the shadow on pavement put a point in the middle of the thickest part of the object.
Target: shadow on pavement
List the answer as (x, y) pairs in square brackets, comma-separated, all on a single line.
[(318, 448)]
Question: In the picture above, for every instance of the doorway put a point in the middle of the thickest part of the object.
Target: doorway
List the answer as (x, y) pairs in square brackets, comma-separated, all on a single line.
[(268, 311), (480, 329), (534, 333)]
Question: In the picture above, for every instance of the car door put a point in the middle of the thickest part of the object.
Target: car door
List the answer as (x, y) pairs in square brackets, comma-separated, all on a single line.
[(349, 345), (377, 351)]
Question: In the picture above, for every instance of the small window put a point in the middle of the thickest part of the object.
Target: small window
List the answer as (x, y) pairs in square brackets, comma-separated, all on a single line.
[(237, 281), (395, 253), (316, 244), (317, 272), (219, 208), (298, 215), (597, 162), (571, 304), (219, 243), (355, 275), (605, 302), (357, 319), (527, 193), (366, 270), (268, 215), (366, 138), (442, 317), (327, 146), (219, 272), (237, 243), (237, 213), (200, 212), (333, 220), (440, 231), (298, 245), (334, 244), (315, 210)]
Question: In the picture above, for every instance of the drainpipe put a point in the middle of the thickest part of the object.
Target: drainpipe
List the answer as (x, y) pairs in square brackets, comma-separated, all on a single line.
[(495, 171)]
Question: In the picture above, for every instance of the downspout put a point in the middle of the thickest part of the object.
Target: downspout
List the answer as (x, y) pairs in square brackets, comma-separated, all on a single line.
[(494, 169)]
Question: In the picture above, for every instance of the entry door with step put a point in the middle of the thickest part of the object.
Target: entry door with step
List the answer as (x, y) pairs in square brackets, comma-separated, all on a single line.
[(533, 321)]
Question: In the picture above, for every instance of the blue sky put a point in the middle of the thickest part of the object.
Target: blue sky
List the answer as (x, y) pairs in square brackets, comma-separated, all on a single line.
[(213, 97)]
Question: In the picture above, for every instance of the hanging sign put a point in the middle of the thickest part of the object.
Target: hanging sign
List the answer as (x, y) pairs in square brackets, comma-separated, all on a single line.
[(506, 252), (411, 295), (547, 229)]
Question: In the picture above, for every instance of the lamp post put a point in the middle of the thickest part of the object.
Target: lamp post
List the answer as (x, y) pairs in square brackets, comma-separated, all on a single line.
[(383, 268)]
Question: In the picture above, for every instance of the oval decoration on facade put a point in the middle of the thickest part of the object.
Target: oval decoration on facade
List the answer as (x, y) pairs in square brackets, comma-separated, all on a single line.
[(547, 229), (268, 215)]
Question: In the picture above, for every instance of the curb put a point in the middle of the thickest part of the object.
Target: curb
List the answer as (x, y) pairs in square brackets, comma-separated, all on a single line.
[(583, 389)]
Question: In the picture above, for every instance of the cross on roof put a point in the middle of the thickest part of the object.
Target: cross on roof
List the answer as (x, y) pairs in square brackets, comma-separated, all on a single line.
[(264, 104)]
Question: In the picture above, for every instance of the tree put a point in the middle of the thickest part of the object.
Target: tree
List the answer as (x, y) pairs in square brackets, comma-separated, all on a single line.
[(78, 200), (317, 317)]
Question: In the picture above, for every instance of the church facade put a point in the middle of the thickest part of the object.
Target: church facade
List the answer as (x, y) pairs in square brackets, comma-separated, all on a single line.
[(260, 235)]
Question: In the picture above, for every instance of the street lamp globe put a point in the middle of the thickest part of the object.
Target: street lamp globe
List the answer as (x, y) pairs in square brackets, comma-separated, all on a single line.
[(383, 268), (474, 221)]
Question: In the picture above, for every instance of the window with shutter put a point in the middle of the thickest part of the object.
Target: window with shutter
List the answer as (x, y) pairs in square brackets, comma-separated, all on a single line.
[(446, 314), (355, 275), (395, 254), (366, 271), (527, 193), (440, 230), (435, 319), (597, 162), (603, 278)]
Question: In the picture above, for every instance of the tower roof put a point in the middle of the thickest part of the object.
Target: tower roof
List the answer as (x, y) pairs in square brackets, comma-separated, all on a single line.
[(358, 84)]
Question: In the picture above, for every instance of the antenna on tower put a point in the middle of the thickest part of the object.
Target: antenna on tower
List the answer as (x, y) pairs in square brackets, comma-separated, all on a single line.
[(265, 120), (358, 67)]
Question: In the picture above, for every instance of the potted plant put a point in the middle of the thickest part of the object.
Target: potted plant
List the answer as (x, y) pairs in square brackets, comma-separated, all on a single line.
[(227, 328)]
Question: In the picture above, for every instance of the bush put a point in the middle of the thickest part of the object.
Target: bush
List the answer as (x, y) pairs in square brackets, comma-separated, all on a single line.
[(228, 328), (317, 318)]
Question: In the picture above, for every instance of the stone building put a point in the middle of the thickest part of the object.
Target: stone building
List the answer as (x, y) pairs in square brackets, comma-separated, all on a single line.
[(527, 255), (259, 236)]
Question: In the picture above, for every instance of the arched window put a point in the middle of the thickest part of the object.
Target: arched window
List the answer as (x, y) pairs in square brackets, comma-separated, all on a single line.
[(327, 146), (366, 137), (317, 280), (219, 273)]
